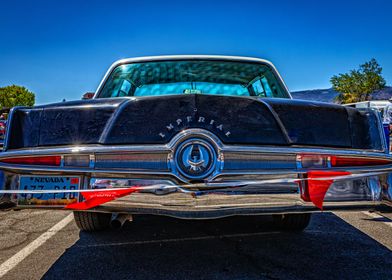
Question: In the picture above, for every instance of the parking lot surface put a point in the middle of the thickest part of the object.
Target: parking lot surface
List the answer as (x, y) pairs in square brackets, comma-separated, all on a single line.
[(38, 244)]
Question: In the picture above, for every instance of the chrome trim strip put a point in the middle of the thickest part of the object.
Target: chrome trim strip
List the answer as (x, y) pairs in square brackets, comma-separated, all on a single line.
[(62, 161), (73, 170), (298, 162), (163, 148), (149, 173), (170, 149), (329, 164), (92, 161)]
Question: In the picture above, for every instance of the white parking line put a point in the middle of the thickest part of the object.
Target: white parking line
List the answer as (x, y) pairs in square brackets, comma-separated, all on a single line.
[(377, 216), (26, 251)]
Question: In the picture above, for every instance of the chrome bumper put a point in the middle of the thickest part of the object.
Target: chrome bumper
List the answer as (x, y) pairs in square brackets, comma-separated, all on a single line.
[(188, 206), (251, 196), (253, 199)]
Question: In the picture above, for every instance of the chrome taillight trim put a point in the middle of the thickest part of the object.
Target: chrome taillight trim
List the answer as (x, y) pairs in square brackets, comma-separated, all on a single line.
[(132, 161), (75, 160), (246, 161)]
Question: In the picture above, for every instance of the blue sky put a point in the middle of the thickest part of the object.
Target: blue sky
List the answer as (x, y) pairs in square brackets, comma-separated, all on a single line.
[(61, 49)]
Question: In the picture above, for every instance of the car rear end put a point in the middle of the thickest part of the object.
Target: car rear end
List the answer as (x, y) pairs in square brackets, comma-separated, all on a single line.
[(246, 173), (195, 155)]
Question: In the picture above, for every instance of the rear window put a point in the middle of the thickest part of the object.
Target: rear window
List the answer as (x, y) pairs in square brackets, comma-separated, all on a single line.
[(193, 77)]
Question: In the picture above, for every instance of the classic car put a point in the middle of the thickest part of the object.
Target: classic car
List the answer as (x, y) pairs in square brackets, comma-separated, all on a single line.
[(380, 105), (194, 137)]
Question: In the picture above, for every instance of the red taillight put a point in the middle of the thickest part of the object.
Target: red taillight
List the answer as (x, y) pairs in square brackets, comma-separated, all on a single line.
[(41, 160), (340, 161)]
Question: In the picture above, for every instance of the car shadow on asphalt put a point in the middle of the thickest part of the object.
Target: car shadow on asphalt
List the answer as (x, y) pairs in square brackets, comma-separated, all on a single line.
[(231, 248)]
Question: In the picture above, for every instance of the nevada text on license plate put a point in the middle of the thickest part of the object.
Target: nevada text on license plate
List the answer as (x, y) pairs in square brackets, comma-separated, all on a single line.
[(48, 183)]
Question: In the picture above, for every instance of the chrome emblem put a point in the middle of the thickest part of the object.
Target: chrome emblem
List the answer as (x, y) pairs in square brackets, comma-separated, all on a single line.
[(195, 158)]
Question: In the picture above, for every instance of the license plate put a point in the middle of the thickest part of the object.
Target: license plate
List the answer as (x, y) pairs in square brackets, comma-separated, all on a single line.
[(47, 184)]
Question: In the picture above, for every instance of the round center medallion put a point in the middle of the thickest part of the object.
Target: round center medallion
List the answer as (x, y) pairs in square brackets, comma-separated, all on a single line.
[(195, 158)]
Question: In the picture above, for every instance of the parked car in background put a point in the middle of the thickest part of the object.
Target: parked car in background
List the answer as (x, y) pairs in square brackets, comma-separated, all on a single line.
[(379, 105), (3, 124), (2, 132), (194, 137), (376, 104)]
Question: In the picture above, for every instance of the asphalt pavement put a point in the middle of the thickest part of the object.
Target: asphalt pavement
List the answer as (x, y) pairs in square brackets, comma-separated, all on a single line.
[(37, 244)]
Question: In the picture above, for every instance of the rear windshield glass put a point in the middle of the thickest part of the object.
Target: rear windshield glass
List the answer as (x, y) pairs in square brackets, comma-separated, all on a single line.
[(192, 77)]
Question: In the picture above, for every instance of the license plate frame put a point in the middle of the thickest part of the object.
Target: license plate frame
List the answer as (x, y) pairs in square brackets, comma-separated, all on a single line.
[(48, 183)]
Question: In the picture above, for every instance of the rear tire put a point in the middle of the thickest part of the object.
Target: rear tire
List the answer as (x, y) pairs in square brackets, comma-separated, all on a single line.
[(292, 222), (92, 221)]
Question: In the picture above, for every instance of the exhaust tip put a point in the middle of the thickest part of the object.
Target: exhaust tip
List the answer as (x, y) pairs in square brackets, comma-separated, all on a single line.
[(118, 220)]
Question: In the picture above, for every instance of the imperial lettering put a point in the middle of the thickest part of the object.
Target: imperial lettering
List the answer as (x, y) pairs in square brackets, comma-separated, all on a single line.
[(170, 127), (200, 120)]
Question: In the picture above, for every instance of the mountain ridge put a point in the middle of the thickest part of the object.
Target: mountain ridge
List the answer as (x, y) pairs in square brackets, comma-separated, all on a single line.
[(328, 95)]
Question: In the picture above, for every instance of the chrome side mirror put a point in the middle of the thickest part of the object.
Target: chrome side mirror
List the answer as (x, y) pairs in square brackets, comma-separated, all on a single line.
[(88, 95)]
